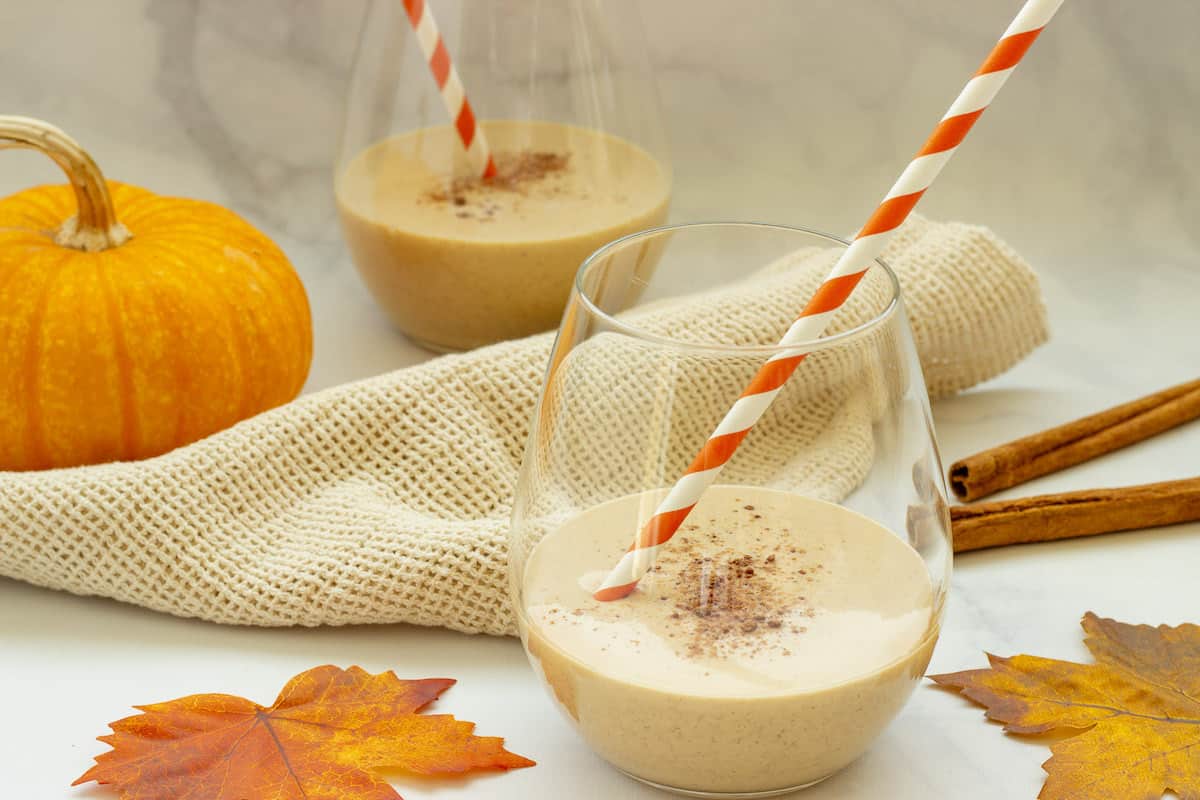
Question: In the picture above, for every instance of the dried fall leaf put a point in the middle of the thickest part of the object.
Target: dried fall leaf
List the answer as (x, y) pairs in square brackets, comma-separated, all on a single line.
[(323, 739), (1137, 710)]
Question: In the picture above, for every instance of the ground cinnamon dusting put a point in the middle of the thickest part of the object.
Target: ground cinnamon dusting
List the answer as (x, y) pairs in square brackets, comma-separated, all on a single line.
[(516, 172), (727, 600), (730, 600)]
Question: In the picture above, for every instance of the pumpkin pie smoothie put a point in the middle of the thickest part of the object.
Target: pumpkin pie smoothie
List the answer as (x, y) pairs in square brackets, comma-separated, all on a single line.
[(457, 261), (772, 641)]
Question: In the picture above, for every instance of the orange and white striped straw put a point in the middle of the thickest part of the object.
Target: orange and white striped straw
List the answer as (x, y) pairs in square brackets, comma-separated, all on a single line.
[(845, 275), (454, 96)]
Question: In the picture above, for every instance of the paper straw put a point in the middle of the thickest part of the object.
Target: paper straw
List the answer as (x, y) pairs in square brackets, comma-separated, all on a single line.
[(845, 275), (454, 96)]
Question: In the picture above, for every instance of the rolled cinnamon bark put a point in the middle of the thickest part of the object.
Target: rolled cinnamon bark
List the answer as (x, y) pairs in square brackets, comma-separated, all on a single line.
[(1062, 516), (1054, 449)]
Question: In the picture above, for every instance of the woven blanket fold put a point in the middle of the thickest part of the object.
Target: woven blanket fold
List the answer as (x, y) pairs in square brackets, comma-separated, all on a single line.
[(388, 499)]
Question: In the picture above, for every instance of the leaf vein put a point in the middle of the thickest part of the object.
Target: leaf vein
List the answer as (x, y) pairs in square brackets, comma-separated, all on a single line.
[(287, 763), (1116, 711)]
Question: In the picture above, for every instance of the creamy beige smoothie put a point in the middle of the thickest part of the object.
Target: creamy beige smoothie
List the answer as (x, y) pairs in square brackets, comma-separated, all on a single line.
[(457, 261), (773, 640)]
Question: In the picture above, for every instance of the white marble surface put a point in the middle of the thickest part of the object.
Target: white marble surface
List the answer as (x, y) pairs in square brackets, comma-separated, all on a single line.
[(1087, 164)]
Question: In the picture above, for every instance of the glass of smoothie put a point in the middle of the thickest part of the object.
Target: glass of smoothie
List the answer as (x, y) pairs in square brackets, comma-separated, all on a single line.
[(564, 97), (787, 621)]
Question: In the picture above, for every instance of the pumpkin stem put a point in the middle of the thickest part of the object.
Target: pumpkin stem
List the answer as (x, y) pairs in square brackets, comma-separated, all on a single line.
[(95, 226)]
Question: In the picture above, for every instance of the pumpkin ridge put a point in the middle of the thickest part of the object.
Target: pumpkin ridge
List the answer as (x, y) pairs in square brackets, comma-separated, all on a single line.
[(291, 288), (191, 219), (288, 286), (159, 295), (130, 430), (41, 206), (135, 206), (26, 237), (9, 275), (39, 451), (181, 372), (238, 340)]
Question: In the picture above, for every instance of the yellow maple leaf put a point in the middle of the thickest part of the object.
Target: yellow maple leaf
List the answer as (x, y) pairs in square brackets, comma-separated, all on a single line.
[(1137, 710)]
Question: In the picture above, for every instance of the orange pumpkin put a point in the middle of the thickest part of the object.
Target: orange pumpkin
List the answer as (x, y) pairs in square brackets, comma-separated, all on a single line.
[(132, 323)]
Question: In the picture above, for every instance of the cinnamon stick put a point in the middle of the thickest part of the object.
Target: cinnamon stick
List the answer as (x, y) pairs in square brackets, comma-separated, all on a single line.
[(1062, 516), (1054, 449)]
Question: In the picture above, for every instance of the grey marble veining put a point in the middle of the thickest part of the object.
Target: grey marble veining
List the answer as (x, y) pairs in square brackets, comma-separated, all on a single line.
[(783, 111)]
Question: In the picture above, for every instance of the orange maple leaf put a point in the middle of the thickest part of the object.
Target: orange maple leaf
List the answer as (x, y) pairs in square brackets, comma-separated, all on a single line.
[(1137, 711), (323, 739)]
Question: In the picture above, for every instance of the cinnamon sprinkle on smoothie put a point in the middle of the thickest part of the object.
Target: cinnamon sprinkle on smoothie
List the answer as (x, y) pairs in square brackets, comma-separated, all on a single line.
[(515, 172)]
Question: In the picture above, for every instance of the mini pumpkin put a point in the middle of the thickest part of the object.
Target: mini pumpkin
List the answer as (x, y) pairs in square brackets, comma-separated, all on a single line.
[(133, 323)]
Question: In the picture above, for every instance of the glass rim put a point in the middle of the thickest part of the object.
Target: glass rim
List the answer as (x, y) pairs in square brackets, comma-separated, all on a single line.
[(810, 345)]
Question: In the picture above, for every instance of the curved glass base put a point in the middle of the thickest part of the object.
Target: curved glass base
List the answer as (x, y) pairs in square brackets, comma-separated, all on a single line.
[(727, 795), (433, 347)]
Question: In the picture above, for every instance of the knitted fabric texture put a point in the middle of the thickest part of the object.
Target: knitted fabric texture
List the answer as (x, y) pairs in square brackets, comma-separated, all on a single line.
[(388, 499)]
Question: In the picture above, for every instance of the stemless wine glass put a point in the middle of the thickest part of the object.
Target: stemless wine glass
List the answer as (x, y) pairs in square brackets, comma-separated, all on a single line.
[(566, 102), (789, 618)]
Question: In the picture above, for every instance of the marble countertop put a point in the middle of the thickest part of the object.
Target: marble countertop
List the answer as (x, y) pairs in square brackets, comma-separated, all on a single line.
[(1087, 165)]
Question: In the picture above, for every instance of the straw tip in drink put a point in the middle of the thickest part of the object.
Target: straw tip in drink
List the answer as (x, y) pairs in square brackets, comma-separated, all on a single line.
[(608, 593)]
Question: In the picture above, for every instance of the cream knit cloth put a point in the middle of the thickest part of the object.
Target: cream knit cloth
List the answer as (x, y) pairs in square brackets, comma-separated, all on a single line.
[(387, 500)]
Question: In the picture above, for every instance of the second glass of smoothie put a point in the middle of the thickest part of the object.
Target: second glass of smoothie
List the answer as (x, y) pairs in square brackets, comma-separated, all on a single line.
[(569, 112), (790, 617)]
